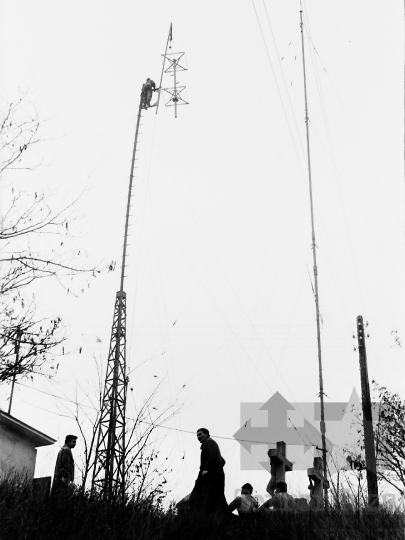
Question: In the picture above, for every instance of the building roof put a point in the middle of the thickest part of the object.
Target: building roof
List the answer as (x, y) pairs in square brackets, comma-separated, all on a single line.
[(38, 438)]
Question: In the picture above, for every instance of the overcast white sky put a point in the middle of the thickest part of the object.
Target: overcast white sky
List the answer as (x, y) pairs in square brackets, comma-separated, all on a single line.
[(221, 239)]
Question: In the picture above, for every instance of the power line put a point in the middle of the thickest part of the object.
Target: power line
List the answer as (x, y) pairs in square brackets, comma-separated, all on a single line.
[(152, 423), (278, 89)]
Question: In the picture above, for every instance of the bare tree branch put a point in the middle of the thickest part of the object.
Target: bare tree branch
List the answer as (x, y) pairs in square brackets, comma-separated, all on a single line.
[(26, 255)]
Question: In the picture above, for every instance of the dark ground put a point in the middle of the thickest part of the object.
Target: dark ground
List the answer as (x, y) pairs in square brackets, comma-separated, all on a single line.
[(26, 516)]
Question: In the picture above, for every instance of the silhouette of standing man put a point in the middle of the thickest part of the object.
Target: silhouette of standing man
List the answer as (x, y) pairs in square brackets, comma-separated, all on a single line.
[(65, 466), (208, 493)]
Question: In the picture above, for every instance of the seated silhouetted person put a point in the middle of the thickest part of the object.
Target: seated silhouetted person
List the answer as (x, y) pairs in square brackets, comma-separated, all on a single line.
[(281, 500), (245, 503)]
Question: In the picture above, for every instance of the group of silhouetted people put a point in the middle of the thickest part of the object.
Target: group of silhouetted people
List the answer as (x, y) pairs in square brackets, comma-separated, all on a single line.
[(247, 504), (208, 492)]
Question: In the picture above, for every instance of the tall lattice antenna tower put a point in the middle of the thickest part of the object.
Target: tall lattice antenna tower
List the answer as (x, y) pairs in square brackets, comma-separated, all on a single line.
[(110, 453), (109, 463)]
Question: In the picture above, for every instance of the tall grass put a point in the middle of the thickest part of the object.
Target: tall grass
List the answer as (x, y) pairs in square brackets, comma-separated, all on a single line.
[(26, 516)]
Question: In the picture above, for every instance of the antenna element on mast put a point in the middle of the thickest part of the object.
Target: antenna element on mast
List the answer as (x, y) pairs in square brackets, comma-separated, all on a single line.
[(169, 38), (175, 91)]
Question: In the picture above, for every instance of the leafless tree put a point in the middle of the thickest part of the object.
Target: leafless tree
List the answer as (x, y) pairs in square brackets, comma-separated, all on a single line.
[(25, 344), (146, 469), (32, 247), (19, 131), (389, 437), (32, 234)]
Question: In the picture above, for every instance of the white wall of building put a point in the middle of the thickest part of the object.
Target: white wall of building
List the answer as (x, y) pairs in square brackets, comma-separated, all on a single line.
[(17, 453)]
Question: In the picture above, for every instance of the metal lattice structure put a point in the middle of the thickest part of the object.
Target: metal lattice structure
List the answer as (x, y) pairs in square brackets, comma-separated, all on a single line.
[(109, 469), (109, 464)]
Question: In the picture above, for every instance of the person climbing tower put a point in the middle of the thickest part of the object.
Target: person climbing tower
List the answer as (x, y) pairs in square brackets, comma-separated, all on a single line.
[(147, 89)]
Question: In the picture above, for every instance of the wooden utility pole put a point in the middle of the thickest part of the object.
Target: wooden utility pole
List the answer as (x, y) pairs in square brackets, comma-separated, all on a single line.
[(369, 446), (17, 343)]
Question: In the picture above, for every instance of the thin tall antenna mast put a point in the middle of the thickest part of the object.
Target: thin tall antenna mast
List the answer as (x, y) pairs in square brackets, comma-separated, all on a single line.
[(109, 464), (169, 38), (318, 326)]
